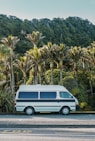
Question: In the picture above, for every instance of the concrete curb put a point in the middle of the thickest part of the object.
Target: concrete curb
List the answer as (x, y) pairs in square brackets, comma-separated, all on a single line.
[(77, 112), (44, 126)]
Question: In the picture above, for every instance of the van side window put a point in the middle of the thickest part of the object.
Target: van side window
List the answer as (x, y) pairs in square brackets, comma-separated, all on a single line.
[(48, 95), (28, 94), (65, 95)]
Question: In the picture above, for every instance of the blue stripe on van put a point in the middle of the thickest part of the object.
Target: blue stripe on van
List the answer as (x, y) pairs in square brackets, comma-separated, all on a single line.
[(45, 100)]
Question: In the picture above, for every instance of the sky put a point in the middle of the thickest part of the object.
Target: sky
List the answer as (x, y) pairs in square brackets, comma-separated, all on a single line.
[(30, 9)]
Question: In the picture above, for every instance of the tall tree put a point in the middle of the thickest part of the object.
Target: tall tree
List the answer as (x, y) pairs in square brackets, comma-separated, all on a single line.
[(10, 42), (75, 54), (89, 58), (51, 56), (4, 62), (24, 65), (61, 53), (35, 37), (37, 61)]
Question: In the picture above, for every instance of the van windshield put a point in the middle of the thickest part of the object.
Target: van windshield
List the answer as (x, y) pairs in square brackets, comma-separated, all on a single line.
[(65, 95)]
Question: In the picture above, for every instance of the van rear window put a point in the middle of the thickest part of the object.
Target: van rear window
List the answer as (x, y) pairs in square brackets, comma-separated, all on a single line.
[(28, 94), (48, 95)]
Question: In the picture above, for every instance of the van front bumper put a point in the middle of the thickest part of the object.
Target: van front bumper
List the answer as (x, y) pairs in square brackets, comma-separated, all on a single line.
[(77, 107)]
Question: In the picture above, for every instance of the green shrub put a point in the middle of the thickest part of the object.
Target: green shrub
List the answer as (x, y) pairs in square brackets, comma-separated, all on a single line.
[(83, 105), (82, 97), (6, 101), (80, 94), (69, 82)]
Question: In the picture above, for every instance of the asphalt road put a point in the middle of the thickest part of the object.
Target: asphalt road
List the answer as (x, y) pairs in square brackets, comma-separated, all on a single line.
[(47, 127), (47, 120), (48, 134)]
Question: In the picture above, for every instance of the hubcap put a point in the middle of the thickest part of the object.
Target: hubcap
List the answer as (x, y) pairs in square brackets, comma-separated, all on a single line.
[(65, 111), (29, 111)]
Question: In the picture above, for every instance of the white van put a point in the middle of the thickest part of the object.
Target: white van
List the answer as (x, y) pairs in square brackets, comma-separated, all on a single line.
[(45, 98)]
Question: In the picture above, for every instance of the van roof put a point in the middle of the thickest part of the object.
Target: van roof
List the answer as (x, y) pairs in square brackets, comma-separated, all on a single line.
[(42, 87)]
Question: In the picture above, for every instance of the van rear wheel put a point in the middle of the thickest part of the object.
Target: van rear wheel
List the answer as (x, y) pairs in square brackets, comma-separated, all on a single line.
[(29, 111), (65, 110)]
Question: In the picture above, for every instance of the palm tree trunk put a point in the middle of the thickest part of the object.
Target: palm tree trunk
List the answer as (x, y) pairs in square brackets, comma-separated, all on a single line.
[(91, 88), (12, 76), (39, 78), (61, 77), (39, 74), (24, 75), (35, 76), (61, 69), (51, 75), (76, 73), (76, 77)]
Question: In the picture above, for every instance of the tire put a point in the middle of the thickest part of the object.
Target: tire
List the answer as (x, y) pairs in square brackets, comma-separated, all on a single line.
[(29, 111), (65, 110)]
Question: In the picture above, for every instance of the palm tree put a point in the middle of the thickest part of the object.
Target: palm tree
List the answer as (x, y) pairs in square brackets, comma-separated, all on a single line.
[(61, 53), (24, 65), (89, 58), (35, 55), (51, 52), (10, 42), (35, 37), (4, 63), (37, 60), (75, 54)]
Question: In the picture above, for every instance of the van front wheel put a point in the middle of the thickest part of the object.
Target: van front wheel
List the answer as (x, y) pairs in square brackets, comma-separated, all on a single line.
[(29, 111), (65, 110)]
